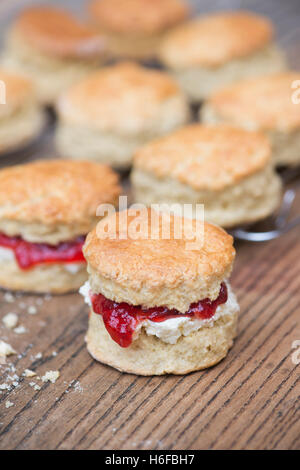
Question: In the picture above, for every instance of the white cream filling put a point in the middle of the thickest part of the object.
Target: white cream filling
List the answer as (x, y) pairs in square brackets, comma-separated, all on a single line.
[(170, 331), (7, 255)]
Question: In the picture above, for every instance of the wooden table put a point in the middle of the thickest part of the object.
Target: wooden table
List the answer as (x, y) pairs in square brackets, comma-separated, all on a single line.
[(248, 401)]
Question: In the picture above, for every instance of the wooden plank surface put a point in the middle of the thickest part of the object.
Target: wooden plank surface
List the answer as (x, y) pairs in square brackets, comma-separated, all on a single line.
[(249, 401)]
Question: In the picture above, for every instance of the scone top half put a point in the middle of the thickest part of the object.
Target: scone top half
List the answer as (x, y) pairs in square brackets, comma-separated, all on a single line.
[(264, 104), (213, 50), (46, 209), (56, 33), (134, 28), (157, 270), (226, 168), (137, 16)]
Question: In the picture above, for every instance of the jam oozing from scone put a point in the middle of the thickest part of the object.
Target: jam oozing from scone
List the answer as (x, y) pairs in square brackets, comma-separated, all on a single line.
[(30, 254), (122, 319)]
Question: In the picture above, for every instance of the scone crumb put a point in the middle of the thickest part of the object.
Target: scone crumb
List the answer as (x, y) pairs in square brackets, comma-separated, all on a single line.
[(10, 320), (29, 373), (51, 376), (32, 310), (8, 297), (35, 386), (20, 330), (5, 387), (8, 404), (6, 349)]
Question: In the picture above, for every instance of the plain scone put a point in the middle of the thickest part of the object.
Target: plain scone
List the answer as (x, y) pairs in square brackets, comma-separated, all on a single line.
[(135, 28), (21, 117), (50, 202), (226, 168), (52, 48), (112, 112), (160, 272), (215, 50), (262, 104)]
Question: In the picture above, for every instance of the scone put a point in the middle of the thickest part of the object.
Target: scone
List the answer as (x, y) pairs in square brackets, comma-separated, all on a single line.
[(46, 210), (52, 48), (115, 110), (21, 117), (157, 306), (134, 28), (213, 51), (263, 104), (223, 167)]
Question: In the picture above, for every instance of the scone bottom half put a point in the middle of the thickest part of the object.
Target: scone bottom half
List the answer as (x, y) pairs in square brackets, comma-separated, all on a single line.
[(47, 208), (153, 337)]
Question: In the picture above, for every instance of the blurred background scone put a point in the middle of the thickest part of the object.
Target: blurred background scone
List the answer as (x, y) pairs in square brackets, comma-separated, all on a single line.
[(158, 307), (225, 168), (111, 113), (21, 117), (212, 51), (46, 210), (134, 28), (51, 47), (264, 104)]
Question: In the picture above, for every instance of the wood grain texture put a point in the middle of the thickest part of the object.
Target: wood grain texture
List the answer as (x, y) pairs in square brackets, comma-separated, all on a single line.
[(249, 401)]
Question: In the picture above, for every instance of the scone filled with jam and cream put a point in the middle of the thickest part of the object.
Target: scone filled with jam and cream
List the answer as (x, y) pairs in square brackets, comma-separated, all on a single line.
[(159, 304), (46, 209)]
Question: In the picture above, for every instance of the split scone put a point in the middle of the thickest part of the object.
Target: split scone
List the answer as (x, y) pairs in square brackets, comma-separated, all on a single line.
[(263, 104), (212, 51), (158, 305), (46, 209), (21, 117), (52, 48), (223, 167), (115, 110), (134, 28)]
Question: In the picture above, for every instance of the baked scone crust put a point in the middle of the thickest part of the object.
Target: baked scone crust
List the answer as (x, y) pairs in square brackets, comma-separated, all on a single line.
[(213, 40), (113, 99), (148, 355), (137, 16), (262, 103), (57, 33), (151, 272), (205, 157), (54, 197)]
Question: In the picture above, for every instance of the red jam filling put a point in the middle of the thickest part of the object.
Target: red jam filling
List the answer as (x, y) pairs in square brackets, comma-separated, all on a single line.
[(122, 319), (29, 254)]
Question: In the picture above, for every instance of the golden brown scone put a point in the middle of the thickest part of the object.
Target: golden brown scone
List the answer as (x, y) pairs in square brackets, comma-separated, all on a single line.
[(224, 167), (134, 28), (212, 51), (109, 114), (53, 203), (152, 271), (21, 117), (263, 104), (53, 48)]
